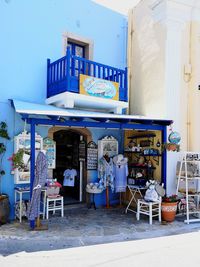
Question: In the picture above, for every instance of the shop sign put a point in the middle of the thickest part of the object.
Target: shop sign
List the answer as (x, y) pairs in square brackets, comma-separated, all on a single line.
[(92, 156), (82, 150), (98, 87), (50, 147)]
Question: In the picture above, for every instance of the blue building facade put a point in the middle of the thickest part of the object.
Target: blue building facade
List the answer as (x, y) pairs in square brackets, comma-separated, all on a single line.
[(33, 31)]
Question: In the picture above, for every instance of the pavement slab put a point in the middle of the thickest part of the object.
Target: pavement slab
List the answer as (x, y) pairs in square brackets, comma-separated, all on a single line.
[(83, 227)]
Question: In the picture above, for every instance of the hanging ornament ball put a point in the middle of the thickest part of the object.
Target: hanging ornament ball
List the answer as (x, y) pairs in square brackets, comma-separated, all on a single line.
[(174, 138)]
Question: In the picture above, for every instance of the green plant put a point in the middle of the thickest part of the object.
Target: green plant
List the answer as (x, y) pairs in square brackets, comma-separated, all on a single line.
[(170, 199), (3, 138), (17, 159)]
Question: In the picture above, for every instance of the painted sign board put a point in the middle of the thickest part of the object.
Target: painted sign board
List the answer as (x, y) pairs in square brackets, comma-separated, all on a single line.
[(98, 87), (50, 146), (92, 156)]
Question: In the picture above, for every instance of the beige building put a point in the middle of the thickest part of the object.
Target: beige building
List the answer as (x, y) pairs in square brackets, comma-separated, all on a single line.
[(164, 68)]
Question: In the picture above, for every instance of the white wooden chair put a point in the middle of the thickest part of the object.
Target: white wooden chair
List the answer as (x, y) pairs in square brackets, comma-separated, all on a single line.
[(54, 203), (151, 209)]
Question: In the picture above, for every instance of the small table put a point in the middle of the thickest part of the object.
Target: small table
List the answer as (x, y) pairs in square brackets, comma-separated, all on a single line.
[(93, 192), (23, 190), (134, 189)]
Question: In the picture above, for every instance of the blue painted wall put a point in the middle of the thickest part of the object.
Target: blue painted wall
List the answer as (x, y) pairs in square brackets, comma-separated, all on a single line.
[(31, 32)]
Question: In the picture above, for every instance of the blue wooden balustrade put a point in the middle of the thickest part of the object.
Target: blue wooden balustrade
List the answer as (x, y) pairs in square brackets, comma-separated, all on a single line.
[(63, 75)]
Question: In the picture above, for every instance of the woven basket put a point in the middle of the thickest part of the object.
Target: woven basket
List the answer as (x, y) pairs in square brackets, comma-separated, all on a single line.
[(53, 190)]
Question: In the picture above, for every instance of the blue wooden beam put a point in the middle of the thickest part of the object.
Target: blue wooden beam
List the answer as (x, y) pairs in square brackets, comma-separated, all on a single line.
[(75, 123), (90, 124), (32, 174), (164, 158), (137, 126)]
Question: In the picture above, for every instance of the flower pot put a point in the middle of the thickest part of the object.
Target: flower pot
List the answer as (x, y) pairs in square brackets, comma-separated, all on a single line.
[(4, 209), (168, 211)]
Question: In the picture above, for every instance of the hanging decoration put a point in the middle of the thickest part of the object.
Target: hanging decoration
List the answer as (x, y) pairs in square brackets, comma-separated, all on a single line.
[(174, 139)]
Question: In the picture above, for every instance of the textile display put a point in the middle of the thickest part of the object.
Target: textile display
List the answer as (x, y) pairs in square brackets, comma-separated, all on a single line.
[(120, 173), (39, 182), (105, 169), (69, 177)]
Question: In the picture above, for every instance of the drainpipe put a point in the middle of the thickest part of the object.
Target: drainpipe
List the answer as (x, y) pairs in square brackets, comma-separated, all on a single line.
[(187, 79)]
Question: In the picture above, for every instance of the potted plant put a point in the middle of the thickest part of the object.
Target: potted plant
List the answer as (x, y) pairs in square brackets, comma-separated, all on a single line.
[(169, 207), (4, 201), (16, 159), (171, 147)]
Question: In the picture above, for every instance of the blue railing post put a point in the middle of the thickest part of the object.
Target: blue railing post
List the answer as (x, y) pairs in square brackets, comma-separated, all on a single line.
[(68, 55), (48, 76), (32, 176)]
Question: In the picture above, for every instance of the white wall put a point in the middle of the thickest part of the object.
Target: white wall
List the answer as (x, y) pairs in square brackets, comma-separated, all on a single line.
[(165, 41), (147, 63)]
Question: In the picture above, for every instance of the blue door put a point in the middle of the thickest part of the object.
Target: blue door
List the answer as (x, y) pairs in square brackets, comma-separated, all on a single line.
[(78, 51)]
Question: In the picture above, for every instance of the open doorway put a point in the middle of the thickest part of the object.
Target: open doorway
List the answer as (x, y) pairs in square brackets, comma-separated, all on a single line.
[(67, 161)]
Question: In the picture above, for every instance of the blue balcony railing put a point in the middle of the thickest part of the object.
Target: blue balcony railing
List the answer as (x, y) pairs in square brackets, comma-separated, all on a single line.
[(63, 75)]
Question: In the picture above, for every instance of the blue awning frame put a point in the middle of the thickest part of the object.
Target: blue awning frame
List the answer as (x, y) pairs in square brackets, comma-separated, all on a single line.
[(106, 121)]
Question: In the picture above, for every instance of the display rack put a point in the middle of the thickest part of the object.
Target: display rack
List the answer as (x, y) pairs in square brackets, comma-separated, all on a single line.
[(142, 147), (22, 141), (188, 185)]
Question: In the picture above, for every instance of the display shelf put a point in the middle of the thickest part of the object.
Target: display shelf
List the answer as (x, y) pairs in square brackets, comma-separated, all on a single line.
[(132, 152), (190, 197), (190, 178), (141, 167), (142, 154), (142, 136)]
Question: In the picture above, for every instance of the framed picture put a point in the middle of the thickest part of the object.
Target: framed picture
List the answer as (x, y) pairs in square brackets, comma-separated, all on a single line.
[(50, 147), (22, 141), (107, 146)]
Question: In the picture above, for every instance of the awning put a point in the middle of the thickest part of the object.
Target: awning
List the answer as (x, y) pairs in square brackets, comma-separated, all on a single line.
[(33, 110)]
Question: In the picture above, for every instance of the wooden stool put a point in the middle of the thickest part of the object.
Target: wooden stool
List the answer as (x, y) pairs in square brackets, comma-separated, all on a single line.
[(54, 203), (151, 209)]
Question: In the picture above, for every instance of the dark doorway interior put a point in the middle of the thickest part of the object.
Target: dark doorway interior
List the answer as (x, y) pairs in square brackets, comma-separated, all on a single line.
[(67, 157)]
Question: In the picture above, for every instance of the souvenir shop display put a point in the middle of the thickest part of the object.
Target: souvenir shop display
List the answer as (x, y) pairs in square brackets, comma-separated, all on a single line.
[(50, 147), (69, 177), (107, 146), (143, 155), (120, 173), (22, 142), (53, 187), (92, 156)]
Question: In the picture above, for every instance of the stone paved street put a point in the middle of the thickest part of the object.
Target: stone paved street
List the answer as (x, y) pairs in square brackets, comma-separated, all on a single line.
[(84, 226)]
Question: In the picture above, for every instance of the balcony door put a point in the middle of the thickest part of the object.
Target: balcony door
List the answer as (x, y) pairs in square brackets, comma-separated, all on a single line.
[(78, 51)]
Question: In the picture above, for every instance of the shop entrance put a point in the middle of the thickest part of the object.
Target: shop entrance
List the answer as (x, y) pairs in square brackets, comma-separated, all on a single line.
[(69, 171)]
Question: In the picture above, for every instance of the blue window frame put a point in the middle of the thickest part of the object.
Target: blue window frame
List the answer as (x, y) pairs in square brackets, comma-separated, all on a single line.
[(79, 51)]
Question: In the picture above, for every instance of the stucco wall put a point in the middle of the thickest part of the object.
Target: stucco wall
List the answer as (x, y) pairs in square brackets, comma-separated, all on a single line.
[(165, 43), (31, 32), (147, 63), (194, 92)]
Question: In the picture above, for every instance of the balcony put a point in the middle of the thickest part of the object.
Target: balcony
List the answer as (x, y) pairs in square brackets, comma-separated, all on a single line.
[(63, 84)]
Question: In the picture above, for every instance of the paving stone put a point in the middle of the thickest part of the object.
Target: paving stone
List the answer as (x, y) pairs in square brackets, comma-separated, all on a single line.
[(82, 227)]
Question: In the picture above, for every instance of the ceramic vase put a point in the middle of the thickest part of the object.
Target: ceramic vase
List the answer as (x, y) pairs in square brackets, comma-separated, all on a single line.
[(168, 211)]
